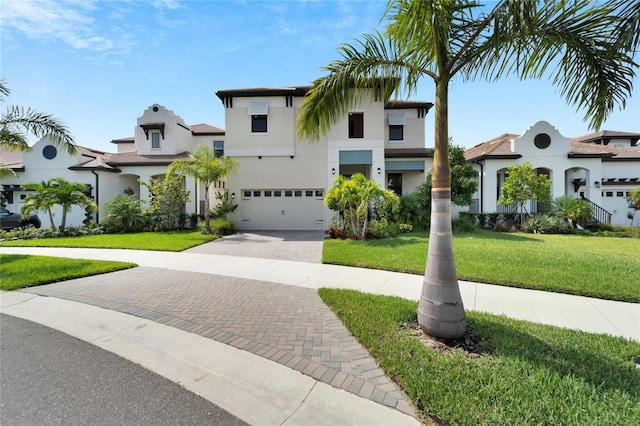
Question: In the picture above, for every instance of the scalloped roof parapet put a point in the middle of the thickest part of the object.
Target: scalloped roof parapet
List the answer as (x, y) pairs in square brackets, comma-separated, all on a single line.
[(161, 108)]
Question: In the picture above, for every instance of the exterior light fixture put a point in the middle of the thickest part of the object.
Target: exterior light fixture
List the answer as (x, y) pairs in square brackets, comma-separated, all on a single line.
[(596, 184), (233, 195), (379, 170), (333, 171)]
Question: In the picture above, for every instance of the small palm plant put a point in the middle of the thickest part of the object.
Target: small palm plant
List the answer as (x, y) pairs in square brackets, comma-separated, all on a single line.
[(124, 213), (573, 210)]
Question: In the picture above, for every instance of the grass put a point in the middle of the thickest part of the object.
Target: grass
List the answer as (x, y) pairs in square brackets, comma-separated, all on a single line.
[(20, 271), (159, 241), (535, 374), (600, 267)]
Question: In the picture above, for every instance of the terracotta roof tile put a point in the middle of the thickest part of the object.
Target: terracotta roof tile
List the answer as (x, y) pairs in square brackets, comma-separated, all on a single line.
[(497, 147), (206, 129)]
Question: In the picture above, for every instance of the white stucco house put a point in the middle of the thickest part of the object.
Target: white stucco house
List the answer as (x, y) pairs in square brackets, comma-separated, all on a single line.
[(602, 167), (283, 180), (160, 137)]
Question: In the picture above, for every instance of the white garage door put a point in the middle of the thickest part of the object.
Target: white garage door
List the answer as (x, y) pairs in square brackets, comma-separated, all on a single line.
[(275, 209)]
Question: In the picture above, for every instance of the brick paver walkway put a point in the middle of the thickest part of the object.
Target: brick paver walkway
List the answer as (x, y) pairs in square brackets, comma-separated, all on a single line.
[(286, 324)]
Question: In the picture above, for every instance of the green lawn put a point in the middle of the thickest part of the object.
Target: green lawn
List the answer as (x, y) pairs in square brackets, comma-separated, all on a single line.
[(160, 241), (19, 271), (534, 374), (601, 267)]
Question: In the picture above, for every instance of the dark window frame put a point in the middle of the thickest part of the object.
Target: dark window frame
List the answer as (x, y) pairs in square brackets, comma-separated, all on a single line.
[(396, 132), (259, 124), (356, 125), (218, 148)]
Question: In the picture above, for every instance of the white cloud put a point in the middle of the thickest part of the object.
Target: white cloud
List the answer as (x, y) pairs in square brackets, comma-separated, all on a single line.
[(69, 22)]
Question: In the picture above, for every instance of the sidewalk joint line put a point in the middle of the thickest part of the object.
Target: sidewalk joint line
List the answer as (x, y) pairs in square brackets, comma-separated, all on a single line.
[(315, 382)]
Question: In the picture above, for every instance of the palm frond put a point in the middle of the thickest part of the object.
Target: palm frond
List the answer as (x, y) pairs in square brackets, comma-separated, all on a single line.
[(38, 124), (574, 43), (13, 141), (4, 90), (370, 68)]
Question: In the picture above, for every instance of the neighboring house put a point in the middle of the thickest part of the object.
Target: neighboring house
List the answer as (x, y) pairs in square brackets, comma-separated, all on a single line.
[(282, 180), (602, 167), (160, 138)]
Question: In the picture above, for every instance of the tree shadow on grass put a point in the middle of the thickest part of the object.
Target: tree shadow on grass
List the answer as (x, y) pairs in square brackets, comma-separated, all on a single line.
[(589, 357)]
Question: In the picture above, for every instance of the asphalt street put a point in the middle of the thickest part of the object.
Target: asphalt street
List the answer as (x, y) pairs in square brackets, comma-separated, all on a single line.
[(48, 377)]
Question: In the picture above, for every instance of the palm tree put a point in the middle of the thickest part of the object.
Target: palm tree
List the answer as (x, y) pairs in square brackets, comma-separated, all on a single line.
[(584, 46), (40, 200), (206, 168), (68, 194), (14, 119), (354, 196), (56, 191)]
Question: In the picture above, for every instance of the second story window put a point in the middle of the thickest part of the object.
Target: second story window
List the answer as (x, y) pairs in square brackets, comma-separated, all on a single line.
[(258, 123), (258, 111), (356, 125), (155, 140), (396, 132), (218, 148), (396, 126)]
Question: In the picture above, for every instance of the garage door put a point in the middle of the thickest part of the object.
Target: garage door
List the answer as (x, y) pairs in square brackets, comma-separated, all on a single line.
[(274, 209)]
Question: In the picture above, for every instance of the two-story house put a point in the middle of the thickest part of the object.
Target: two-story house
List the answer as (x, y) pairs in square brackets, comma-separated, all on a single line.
[(283, 180)]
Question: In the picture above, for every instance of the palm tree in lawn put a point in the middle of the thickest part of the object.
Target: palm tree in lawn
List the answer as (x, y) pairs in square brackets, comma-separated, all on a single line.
[(16, 122), (207, 169), (581, 44), (40, 200), (68, 194)]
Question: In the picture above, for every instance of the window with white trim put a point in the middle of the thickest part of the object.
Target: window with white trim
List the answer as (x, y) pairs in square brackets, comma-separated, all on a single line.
[(258, 111), (155, 140), (397, 121)]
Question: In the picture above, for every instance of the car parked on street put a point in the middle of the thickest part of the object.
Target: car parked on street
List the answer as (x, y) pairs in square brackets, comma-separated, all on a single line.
[(11, 220)]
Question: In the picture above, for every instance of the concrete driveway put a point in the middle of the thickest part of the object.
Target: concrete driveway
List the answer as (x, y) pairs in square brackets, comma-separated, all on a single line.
[(301, 246)]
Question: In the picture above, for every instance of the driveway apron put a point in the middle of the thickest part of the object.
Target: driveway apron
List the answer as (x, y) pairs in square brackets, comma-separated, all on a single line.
[(285, 324)]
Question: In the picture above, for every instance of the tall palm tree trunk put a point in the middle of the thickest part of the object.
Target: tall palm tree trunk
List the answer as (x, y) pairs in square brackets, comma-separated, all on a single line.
[(440, 311)]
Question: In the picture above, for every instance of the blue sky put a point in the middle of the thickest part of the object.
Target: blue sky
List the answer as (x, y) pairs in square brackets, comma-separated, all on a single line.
[(97, 65)]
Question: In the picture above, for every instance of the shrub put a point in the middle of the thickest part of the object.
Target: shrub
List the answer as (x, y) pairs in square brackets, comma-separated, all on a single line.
[(223, 227), (123, 213), (378, 228), (405, 227), (463, 224), (36, 233), (545, 224)]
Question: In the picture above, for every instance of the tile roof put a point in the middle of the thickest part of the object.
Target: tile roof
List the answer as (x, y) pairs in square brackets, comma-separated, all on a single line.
[(500, 147), (264, 91), (408, 104), (124, 140), (206, 129), (607, 134), (11, 159), (133, 159)]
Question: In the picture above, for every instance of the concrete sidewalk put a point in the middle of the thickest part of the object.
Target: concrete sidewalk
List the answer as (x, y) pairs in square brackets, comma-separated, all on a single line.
[(575, 312), (252, 336)]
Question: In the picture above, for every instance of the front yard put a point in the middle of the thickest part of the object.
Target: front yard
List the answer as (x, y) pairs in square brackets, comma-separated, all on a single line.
[(529, 374), (601, 267)]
